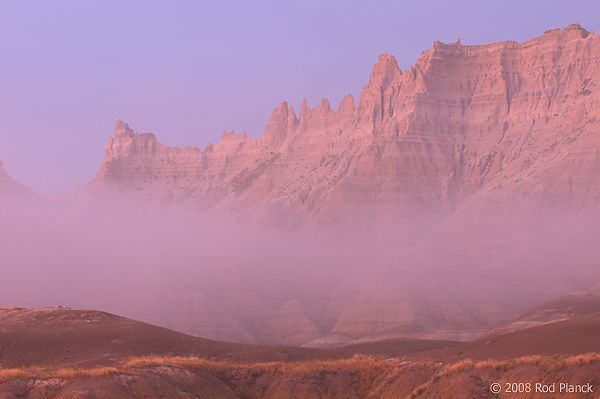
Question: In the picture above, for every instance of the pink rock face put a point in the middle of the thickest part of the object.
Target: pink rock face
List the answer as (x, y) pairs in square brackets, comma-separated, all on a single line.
[(483, 159), (506, 121)]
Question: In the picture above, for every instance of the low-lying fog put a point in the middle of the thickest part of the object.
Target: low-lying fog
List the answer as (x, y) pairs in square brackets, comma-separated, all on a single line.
[(241, 283)]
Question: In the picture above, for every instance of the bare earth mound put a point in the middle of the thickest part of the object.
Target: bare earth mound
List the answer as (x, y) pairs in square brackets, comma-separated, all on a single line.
[(557, 309), (570, 337), (88, 338), (84, 338)]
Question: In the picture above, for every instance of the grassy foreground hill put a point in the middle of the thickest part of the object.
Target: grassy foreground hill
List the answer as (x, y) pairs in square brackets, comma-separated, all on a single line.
[(359, 377), (61, 353)]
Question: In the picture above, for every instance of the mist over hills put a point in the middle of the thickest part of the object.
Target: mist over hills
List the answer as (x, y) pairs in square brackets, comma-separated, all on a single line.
[(449, 198)]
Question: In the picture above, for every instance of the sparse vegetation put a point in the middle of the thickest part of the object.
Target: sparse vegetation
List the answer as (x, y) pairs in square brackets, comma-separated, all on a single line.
[(360, 376), (458, 367), (15, 374), (11, 308), (48, 372)]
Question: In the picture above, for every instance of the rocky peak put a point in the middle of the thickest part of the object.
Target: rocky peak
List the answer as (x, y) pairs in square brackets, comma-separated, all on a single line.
[(303, 109), (577, 30), (127, 144), (122, 129), (227, 136), (279, 114), (346, 105), (292, 119), (385, 72), (277, 129), (375, 97), (323, 106), (316, 118)]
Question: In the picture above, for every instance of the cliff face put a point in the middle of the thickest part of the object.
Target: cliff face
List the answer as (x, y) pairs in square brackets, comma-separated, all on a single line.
[(474, 137), (504, 120)]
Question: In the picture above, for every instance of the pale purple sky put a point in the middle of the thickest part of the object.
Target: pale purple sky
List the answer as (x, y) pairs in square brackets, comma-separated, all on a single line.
[(186, 70)]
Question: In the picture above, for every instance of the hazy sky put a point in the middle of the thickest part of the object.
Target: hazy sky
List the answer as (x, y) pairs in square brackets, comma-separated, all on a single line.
[(186, 70)]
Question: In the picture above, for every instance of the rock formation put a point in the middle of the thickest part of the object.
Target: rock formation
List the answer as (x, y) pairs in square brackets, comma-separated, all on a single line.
[(506, 121), (453, 153)]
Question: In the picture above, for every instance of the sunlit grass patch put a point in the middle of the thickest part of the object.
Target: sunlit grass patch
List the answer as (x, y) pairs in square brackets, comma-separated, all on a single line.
[(47, 372), (14, 374), (458, 367), (11, 308)]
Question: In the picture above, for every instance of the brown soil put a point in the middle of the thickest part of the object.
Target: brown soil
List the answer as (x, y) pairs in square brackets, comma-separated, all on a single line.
[(86, 338), (569, 337), (244, 371)]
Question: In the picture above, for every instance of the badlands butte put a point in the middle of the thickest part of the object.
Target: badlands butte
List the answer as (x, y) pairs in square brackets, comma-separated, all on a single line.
[(449, 198), (503, 121)]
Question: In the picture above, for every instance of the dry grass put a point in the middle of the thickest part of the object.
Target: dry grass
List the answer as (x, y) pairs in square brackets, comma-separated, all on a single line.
[(14, 374), (546, 362), (172, 361), (73, 374), (45, 373), (543, 363), (11, 308), (486, 363), (529, 360), (584, 358), (364, 368), (363, 373), (458, 367), (360, 370)]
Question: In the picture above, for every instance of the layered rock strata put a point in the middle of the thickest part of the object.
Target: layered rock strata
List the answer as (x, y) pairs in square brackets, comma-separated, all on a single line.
[(504, 120), (466, 133)]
